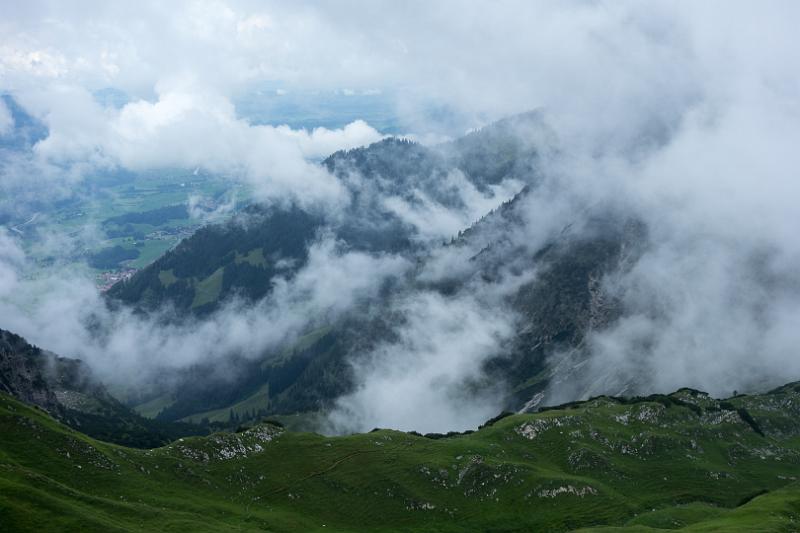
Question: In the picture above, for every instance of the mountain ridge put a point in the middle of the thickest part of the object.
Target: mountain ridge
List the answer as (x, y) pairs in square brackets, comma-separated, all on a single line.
[(682, 461), (556, 309)]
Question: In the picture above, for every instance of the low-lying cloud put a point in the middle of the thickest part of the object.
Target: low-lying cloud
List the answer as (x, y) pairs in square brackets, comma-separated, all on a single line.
[(186, 128), (65, 312), (6, 119), (431, 379), (434, 220)]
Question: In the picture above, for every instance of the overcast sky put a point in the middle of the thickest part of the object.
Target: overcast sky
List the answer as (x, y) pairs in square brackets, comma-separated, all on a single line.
[(605, 71)]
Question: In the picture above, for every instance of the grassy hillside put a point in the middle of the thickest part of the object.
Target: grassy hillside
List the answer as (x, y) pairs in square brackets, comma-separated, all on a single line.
[(682, 461), (218, 261)]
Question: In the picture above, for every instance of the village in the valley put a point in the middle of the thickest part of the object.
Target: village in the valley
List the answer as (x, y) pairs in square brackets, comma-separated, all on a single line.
[(105, 280)]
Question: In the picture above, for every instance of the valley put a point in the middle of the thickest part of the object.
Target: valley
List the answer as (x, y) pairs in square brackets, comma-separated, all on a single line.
[(399, 267), (135, 219)]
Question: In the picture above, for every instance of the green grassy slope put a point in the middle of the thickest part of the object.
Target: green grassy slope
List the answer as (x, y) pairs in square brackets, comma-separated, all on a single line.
[(667, 462)]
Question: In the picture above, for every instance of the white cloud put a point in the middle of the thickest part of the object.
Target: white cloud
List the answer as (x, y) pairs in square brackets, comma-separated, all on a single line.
[(12, 259), (431, 379), (434, 220), (322, 142), (65, 312), (189, 128), (6, 119)]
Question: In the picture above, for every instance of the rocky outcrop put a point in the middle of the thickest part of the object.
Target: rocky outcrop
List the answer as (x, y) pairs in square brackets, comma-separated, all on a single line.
[(67, 390), (26, 372)]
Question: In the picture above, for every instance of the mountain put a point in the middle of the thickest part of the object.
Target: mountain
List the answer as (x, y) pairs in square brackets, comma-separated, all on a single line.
[(556, 310), (243, 258), (509, 148), (682, 461), (67, 390), (565, 301), (219, 261)]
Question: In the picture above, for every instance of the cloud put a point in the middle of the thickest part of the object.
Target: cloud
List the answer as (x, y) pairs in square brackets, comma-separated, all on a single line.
[(322, 142), (207, 210), (609, 73), (12, 258), (479, 59), (431, 379), (6, 119), (705, 316), (65, 312), (709, 302), (435, 220), (188, 129)]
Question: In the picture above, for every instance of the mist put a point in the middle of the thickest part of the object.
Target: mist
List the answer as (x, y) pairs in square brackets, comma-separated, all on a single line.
[(681, 115), (68, 312)]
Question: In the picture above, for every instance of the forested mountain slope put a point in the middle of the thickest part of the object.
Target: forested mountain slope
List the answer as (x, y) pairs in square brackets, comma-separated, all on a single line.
[(559, 302), (242, 257), (554, 310), (219, 261)]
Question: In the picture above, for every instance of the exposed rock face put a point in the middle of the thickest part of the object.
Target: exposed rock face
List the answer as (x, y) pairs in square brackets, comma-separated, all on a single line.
[(42, 378), (566, 299), (67, 390), (24, 370)]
